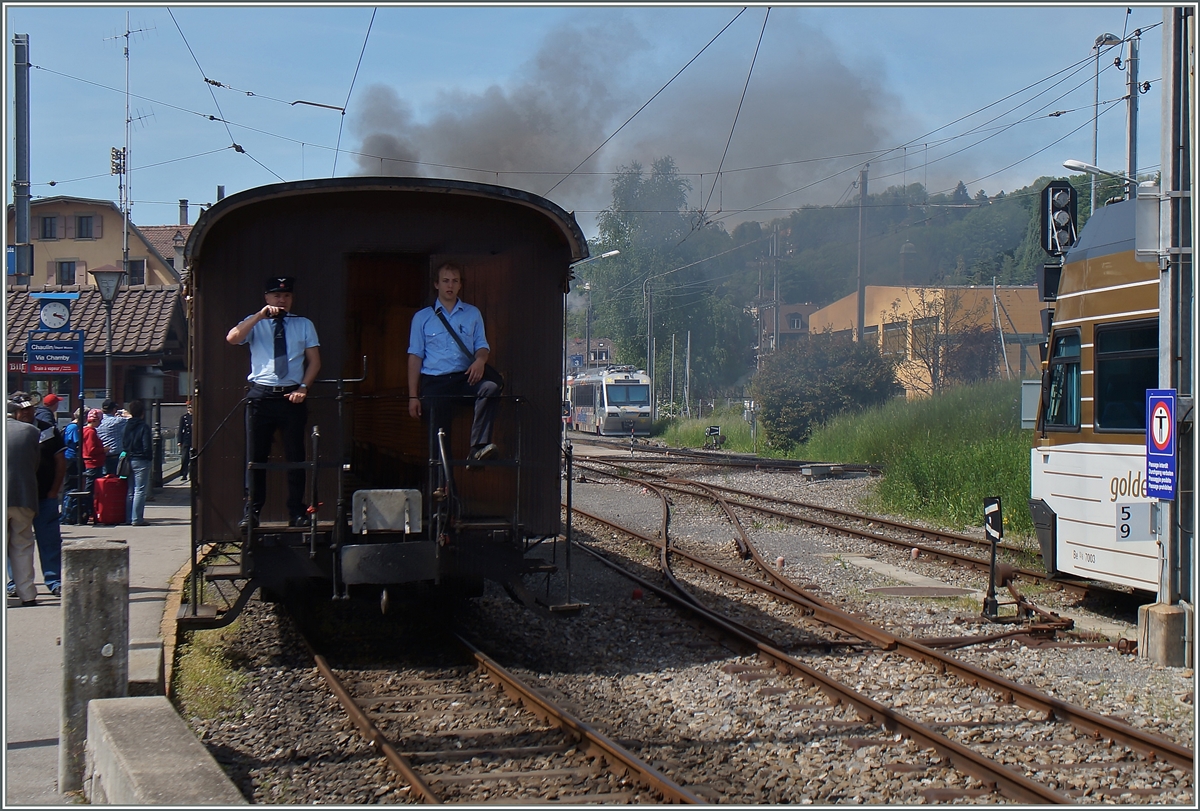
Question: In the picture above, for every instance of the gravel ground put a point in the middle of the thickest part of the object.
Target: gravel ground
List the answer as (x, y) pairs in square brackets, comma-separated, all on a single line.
[(709, 717)]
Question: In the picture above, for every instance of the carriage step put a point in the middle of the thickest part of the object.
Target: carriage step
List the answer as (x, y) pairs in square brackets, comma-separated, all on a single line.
[(482, 524), (224, 571)]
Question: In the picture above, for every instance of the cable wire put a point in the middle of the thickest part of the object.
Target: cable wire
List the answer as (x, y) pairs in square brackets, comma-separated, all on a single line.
[(737, 114)]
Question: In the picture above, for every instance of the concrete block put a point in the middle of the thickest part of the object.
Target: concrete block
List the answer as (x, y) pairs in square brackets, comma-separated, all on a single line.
[(147, 674), (140, 752), (1162, 634)]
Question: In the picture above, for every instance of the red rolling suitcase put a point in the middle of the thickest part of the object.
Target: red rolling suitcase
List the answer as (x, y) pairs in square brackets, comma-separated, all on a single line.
[(109, 500)]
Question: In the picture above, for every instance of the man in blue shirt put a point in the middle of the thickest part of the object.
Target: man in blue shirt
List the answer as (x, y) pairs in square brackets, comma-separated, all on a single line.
[(439, 366), (285, 358)]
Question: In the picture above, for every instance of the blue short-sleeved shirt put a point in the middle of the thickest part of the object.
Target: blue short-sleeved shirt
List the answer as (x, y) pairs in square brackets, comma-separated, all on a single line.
[(300, 333), (438, 351)]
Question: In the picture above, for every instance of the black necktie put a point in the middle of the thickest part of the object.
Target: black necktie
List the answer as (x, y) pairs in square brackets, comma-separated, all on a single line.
[(281, 355)]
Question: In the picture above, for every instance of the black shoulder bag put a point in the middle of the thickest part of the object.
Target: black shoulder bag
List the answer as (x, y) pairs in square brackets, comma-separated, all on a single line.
[(489, 371)]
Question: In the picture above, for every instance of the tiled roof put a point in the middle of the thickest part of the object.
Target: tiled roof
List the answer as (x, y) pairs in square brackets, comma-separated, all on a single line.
[(142, 316), (162, 238)]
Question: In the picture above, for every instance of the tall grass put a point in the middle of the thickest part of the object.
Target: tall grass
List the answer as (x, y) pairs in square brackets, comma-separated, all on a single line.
[(942, 455)]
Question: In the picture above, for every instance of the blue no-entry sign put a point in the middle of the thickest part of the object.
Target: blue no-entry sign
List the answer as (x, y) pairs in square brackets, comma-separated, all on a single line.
[(1160, 444)]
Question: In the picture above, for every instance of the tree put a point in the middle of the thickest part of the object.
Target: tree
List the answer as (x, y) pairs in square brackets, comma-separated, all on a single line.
[(947, 344), (810, 381)]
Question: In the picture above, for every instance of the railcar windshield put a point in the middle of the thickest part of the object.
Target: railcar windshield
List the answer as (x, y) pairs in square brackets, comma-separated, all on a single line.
[(627, 394), (1062, 404)]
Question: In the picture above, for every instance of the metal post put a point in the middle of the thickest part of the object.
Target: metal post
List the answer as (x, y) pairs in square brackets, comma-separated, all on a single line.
[(156, 474), (24, 252), (568, 451), (862, 219), (108, 352)]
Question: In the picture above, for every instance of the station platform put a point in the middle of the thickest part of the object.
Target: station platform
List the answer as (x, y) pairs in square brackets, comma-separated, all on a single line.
[(33, 656)]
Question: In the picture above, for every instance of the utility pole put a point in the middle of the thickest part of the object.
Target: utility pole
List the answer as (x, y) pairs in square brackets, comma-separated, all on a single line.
[(775, 292), (1131, 87), (862, 217), (24, 250), (687, 376)]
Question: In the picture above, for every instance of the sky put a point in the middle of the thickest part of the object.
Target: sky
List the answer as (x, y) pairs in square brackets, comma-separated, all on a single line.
[(762, 108)]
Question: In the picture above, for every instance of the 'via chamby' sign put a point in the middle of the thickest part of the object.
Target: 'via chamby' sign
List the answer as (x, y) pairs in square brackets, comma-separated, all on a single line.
[(1160, 444)]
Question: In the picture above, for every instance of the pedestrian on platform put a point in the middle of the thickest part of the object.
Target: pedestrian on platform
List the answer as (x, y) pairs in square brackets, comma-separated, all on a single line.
[(20, 470), (285, 358), (184, 438), (51, 472), (138, 447), (94, 457), (72, 435), (111, 429)]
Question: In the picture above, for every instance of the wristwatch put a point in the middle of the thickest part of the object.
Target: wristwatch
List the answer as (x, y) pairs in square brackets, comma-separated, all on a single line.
[(304, 385)]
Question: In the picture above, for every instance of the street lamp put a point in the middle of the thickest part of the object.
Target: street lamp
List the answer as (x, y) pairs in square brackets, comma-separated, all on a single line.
[(108, 281), (1101, 41), (1087, 168), (587, 330), (587, 286)]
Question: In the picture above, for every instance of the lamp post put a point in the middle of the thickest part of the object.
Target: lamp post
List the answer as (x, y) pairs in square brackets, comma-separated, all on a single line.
[(108, 282), (1101, 41), (587, 330)]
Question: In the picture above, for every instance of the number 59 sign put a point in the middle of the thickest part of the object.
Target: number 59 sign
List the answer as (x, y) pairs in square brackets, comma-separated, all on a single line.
[(1133, 522)]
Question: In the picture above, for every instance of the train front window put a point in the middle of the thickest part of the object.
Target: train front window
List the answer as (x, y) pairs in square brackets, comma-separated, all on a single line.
[(1062, 400), (635, 395), (1126, 365)]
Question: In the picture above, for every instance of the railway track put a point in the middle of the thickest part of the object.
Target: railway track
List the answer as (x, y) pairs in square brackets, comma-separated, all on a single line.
[(933, 543), (987, 726), (475, 733)]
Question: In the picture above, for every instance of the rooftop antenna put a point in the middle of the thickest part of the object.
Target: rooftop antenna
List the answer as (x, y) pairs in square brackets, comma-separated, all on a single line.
[(120, 161)]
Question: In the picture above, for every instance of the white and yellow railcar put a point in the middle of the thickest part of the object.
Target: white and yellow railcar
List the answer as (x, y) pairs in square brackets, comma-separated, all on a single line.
[(1089, 454)]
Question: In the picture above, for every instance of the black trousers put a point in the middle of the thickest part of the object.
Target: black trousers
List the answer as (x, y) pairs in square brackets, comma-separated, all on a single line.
[(266, 414), (441, 411), (185, 460)]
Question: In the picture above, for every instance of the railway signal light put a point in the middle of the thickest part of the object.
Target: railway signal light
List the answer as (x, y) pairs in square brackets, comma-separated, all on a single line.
[(1058, 217)]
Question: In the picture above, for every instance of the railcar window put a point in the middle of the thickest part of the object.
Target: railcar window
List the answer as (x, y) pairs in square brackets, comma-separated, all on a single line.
[(584, 396), (635, 395), (1062, 402), (1126, 365)]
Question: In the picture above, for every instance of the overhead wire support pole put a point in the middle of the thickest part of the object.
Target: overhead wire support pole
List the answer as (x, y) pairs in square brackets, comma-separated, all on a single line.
[(862, 217)]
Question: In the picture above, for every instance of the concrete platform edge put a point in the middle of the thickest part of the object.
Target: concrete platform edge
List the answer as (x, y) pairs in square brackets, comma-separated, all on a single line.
[(140, 752)]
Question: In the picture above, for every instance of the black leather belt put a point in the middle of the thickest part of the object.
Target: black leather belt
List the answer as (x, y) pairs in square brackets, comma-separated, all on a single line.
[(274, 389)]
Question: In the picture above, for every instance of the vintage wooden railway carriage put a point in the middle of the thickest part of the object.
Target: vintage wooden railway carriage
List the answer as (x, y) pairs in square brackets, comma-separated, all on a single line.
[(364, 252)]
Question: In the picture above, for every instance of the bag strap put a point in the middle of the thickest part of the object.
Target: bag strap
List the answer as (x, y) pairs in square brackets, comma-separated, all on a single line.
[(454, 334)]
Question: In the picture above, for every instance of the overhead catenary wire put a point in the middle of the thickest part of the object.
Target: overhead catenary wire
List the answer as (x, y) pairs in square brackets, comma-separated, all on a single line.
[(350, 92), (737, 113), (236, 146)]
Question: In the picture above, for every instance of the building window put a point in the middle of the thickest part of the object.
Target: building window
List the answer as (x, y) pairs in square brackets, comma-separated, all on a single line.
[(49, 227), (1126, 365), (65, 272), (602, 355), (895, 339), (83, 226), (795, 321), (135, 273), (870, 335), (1062, 400)]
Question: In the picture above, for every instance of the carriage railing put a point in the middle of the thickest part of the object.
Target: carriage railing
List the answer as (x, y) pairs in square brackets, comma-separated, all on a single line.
[(445, 508), (312, 466)]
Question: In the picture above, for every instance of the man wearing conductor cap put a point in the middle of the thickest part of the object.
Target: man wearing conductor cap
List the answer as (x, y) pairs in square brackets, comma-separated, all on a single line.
[(285, 358)]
